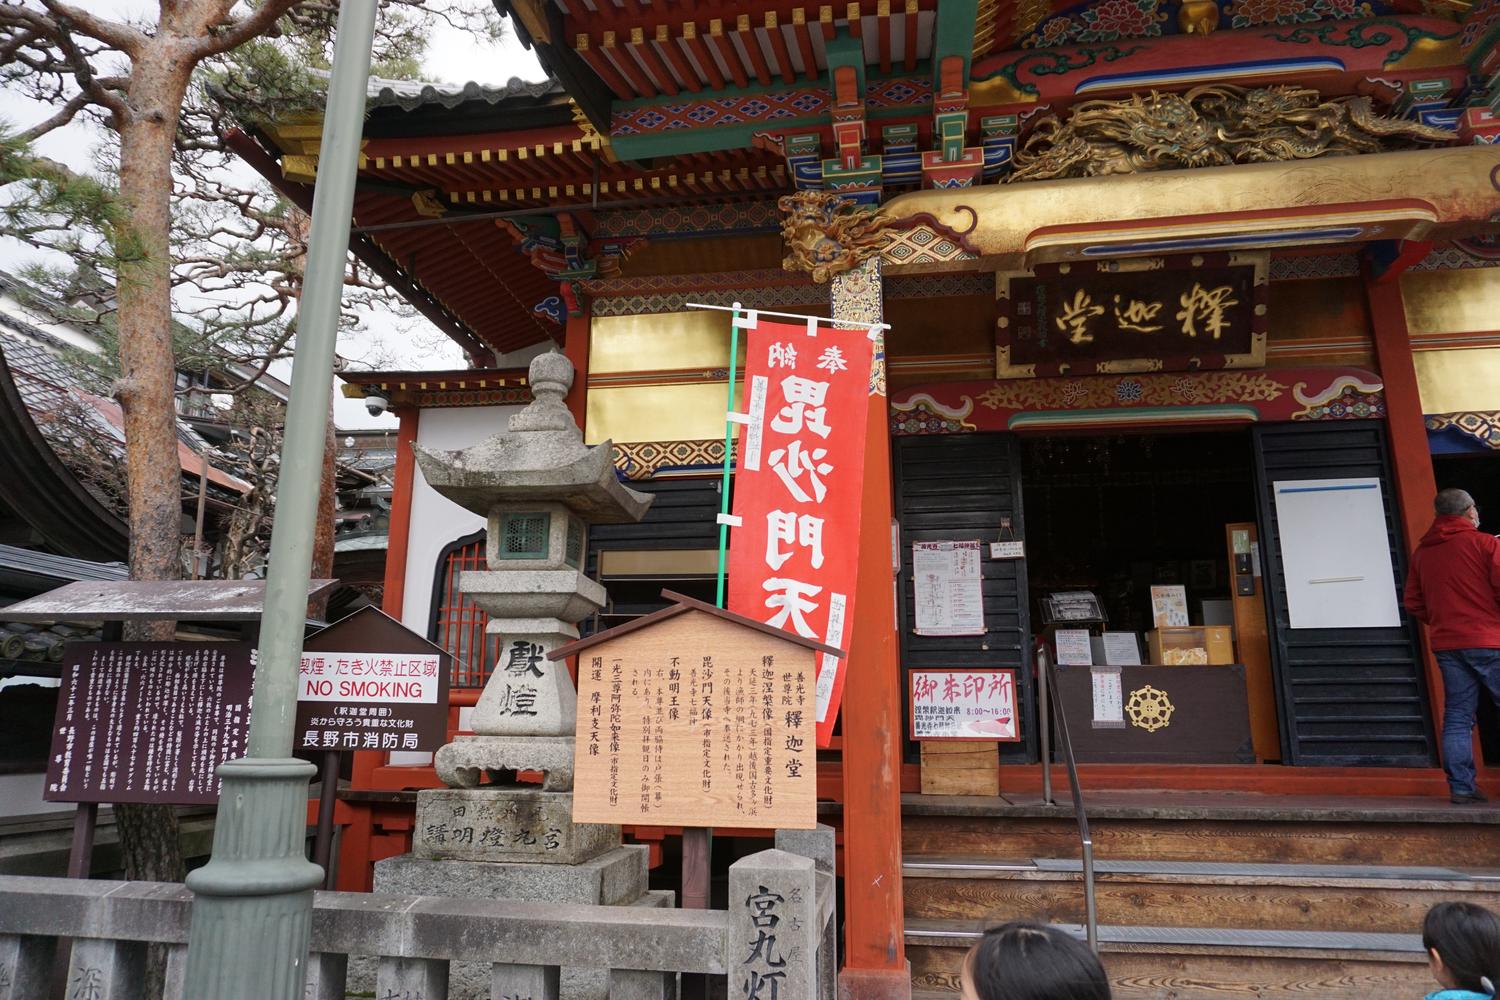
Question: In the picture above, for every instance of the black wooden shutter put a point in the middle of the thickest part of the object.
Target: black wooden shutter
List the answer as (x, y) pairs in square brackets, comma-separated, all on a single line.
[(957, 487), (1348, 695)]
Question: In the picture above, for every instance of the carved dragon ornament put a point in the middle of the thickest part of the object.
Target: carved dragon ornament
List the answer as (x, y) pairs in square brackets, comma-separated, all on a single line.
[(826, 234), (1209, 126)]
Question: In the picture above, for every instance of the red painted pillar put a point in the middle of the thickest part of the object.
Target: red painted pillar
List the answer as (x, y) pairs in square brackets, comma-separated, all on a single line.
[(398, 533), (875, 966), (1411, 460), (576, 347)]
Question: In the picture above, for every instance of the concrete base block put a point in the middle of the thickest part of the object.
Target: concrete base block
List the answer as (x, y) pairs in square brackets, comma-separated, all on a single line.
[(460, 764), (505, 825)]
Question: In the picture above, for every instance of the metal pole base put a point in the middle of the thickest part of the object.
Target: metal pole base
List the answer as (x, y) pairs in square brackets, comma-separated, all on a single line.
[(252, 906)]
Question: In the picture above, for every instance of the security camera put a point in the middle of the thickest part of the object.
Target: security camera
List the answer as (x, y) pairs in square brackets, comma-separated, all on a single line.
[(375, 402)]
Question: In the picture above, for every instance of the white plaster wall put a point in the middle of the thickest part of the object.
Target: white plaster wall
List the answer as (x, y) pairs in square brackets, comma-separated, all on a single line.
[(21, 795), (437, 521)]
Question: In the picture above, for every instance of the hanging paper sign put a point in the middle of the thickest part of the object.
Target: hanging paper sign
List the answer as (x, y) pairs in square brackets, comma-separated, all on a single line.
[(964, 704), (1008, 550), (794, 554), (948, 588)]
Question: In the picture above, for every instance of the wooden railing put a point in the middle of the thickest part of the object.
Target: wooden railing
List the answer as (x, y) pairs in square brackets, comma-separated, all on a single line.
[(776, 939)]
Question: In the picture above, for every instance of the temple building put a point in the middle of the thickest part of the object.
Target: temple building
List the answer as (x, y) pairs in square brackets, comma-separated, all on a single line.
[(1188, 300)]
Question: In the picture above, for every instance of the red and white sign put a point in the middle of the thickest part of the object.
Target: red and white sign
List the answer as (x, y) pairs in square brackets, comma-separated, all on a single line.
[(957, 703), (377, 678), (794, 553)]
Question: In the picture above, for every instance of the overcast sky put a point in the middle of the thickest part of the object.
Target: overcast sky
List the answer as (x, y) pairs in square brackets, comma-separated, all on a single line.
[(452, 57)]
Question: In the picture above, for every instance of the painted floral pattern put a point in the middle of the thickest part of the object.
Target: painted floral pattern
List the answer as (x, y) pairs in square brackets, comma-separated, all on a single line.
[(1251, 13), (1111, 20)]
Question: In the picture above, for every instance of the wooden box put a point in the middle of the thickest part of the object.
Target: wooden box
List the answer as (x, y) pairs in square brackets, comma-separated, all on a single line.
[(960, 767), (1193, 646), (1171, 716)]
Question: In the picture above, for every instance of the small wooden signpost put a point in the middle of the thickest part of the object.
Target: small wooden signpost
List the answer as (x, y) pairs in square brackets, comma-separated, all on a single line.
[(696, 717), (366, 682)]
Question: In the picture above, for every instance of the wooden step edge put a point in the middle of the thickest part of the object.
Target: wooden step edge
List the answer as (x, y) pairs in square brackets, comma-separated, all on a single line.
[(1393, 878), (931, 932)]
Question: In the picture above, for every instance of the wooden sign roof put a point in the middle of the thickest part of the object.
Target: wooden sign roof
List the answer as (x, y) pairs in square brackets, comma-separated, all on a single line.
[(682, 604), (143, 600)]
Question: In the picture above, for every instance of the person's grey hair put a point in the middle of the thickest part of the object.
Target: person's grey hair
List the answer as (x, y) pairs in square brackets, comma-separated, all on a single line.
[(1452, 501)]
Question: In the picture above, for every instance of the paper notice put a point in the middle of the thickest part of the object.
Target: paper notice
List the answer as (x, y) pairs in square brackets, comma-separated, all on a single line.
[(949, 593), (1121, 649), (1109, 698), (1073, 647)]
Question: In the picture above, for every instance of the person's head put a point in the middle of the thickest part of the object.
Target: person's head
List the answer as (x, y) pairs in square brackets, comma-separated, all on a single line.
[(1462, 941), (1026, 961), (1456, 502)]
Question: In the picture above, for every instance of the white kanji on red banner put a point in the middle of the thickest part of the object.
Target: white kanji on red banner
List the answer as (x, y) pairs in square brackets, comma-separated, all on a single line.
[(794, 558)]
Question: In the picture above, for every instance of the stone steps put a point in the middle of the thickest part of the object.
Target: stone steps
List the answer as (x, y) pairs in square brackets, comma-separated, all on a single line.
[(1171, 963), (1353, 898)]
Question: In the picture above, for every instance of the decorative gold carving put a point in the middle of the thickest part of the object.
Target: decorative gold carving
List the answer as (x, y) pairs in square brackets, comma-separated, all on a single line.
[(1150, 709), (1214, 125), (428, 203), (1198, 17), (826, 234)]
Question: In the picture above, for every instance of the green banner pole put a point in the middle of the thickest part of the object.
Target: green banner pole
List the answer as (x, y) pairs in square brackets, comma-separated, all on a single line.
[(734, 360)]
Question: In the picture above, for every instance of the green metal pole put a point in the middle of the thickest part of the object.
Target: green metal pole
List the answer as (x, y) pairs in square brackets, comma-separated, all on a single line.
[(252, 906), (734, 360)]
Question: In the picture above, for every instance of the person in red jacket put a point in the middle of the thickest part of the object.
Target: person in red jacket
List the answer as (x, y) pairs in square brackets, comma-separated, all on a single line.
[(1454, 587)]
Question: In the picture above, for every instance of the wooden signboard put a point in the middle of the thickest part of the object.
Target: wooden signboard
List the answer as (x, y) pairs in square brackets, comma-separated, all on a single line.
[(696, 717), (1179, 313), (148, 722), (367, 682)]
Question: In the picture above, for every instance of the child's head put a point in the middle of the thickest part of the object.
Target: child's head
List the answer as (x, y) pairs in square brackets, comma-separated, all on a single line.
[(1026, 961), (1462, 941)]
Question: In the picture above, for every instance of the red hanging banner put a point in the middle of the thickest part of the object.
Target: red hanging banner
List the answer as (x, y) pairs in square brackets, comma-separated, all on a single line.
[(794, 552)]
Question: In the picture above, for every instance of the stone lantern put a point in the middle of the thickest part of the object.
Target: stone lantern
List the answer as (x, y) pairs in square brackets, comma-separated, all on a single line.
[(540, 487)]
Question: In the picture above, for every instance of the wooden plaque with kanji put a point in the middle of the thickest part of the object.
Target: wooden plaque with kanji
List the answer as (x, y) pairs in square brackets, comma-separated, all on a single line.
[(696, 717)]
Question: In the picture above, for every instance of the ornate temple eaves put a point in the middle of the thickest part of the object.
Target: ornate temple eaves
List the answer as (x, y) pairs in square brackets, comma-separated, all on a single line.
[(1416, 194)]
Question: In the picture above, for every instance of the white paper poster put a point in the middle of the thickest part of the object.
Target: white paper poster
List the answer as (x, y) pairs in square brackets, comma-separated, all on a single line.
[(1336, 554), (949, 593), (1109, 698), (1073, 648), (1169, 606), (960, 704), (1121, 649)]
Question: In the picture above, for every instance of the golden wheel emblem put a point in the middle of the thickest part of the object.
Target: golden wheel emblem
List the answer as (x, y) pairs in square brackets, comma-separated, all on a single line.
[(1149, 708)]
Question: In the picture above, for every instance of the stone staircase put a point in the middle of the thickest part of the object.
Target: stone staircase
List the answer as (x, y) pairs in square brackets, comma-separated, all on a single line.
[(1202, 897)]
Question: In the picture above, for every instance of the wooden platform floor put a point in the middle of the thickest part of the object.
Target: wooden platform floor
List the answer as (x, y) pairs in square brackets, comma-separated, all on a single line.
[(1209, 805)]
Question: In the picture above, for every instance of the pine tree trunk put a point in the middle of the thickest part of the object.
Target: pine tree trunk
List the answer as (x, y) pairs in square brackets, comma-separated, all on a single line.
[(145, 390), (322, 561)]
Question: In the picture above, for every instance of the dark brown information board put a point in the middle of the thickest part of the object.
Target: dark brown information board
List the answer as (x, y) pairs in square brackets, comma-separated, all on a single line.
[(148, 721), (367, 682), (1152, 314)]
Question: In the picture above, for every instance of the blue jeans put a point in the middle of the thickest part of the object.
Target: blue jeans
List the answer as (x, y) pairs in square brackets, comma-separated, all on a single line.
[(1464, 671)]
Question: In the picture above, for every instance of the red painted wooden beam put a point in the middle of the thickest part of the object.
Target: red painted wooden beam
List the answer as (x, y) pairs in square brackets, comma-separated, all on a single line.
[(603, 68), (910, 55), (883, 33), (673, 54), (653, 62), (699, 50), (751, 45), (620, 56), (856, 20), (725, 49), (804, 45), (779, 49)]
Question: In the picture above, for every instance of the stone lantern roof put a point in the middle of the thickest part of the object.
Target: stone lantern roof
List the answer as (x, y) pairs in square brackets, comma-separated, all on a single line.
[(541, 457)]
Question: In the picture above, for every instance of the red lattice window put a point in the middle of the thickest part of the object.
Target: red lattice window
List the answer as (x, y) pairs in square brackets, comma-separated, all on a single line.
[(458, 623)]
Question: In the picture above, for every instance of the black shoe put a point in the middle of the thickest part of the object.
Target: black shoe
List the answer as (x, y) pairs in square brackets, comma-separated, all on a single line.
[(1466, 799)]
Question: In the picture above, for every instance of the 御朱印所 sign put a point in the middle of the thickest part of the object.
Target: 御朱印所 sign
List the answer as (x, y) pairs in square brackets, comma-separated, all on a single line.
[(1179, 313), (368, 683), (148, 722), (794, 556), (957, 703)]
